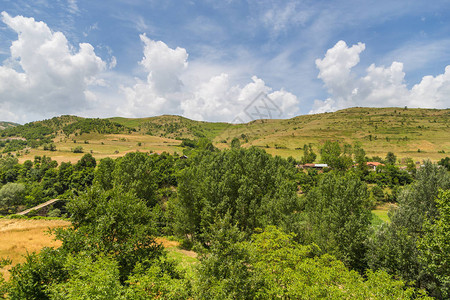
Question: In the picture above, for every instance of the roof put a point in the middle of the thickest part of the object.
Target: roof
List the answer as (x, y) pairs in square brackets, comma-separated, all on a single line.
[(374, 163)]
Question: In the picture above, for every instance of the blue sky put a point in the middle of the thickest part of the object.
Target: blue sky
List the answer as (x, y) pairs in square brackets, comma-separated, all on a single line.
[(208, 60)]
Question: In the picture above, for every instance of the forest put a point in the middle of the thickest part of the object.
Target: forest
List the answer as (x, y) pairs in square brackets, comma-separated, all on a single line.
[(262, 227)]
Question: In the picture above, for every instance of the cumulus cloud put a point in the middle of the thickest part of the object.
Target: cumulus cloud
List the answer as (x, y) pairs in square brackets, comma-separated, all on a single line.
[(44, 75), (381, 86), (216, 99)]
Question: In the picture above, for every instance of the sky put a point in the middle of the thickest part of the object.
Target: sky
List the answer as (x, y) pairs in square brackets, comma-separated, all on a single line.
[(209, 60)]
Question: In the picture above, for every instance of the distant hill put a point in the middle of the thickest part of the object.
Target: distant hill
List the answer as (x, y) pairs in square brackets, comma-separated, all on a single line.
[(4, 125), (415, 133)]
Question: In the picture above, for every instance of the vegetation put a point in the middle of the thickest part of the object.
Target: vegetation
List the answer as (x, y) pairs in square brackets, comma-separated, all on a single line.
[(262, 227)]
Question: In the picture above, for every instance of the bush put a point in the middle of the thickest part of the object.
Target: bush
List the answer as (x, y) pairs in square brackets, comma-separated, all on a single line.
[(77, 149)]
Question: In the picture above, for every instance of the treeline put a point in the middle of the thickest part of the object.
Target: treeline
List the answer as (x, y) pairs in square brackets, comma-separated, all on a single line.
[(263, 228)]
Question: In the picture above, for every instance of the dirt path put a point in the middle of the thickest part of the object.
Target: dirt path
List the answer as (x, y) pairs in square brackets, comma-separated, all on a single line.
[(49, 202)]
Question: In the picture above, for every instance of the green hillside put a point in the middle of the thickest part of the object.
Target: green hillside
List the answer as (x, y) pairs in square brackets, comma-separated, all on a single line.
[(4, 125), (415, 133)]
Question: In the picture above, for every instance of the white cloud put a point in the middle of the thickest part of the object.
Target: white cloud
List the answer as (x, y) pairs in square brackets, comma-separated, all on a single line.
[(47, 75), (217, 98), (382, 86)]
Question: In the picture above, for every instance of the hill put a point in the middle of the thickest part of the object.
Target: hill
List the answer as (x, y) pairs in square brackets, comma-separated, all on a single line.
[(415, 133), (4, 125)]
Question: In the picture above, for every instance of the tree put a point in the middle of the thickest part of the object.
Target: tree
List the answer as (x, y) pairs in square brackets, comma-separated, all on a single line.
[(77, 149), (104, 173), (393, 246), (360, 159), (391, 158), (114, 223), (135, 172), (332, 155), (255, 188), (308, 154), (338, 218), (12, 194), (235, 144), (445, 162), (434, 247)]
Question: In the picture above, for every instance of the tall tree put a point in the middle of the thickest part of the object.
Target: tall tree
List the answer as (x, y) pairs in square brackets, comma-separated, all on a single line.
[(338, 217)]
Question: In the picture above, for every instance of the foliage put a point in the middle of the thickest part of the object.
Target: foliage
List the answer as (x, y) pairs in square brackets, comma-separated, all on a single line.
[(135, 172), (255, 188), (393, 247), (115, 223), (235, 144), (445, 162), (434, 247), (332, 155), (338, 217), (29, 280), (102, 275), (12, 194), (308, 154), (391, 158), (272, 265)]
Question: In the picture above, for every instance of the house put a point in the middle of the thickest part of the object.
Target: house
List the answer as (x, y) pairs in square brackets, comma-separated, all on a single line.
[(373, 165)]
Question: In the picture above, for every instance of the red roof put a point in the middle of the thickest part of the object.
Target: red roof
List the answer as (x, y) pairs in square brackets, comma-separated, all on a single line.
[(374, 163)]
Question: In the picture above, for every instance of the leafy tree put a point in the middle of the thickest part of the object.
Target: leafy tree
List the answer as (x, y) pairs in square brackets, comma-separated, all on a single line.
[(434, 248), (223, 272), (136, 172), (308, 154), (391, 158), (255, 188), (12, 194), (333, 156), (360, 159), (114, 223), (30, 279), (393, 247), (445, 162), (235, 144), (272, 265), (86, 162), (338, 217), (102, 276), (77, 149), (104, 173)]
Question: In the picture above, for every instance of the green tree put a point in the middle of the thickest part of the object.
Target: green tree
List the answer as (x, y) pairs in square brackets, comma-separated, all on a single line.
[(255, 188), (89, 279), (104, 173), (114, 223), (332, 155), (235, 144), (338, 217), (308, 154), (391, 158), (393, 246), (434, 248), (136, 172), (12, 194)]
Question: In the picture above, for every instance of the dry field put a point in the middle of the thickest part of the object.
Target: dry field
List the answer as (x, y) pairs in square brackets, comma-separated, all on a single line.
[(18, 236)]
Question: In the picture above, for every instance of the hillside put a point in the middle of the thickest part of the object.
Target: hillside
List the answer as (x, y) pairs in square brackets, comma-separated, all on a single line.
[(415, 133), (4, 125)]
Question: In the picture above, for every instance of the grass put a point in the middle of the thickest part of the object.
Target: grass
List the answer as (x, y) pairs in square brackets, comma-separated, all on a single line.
[(186, 259), (382, 215), (19, 236)]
